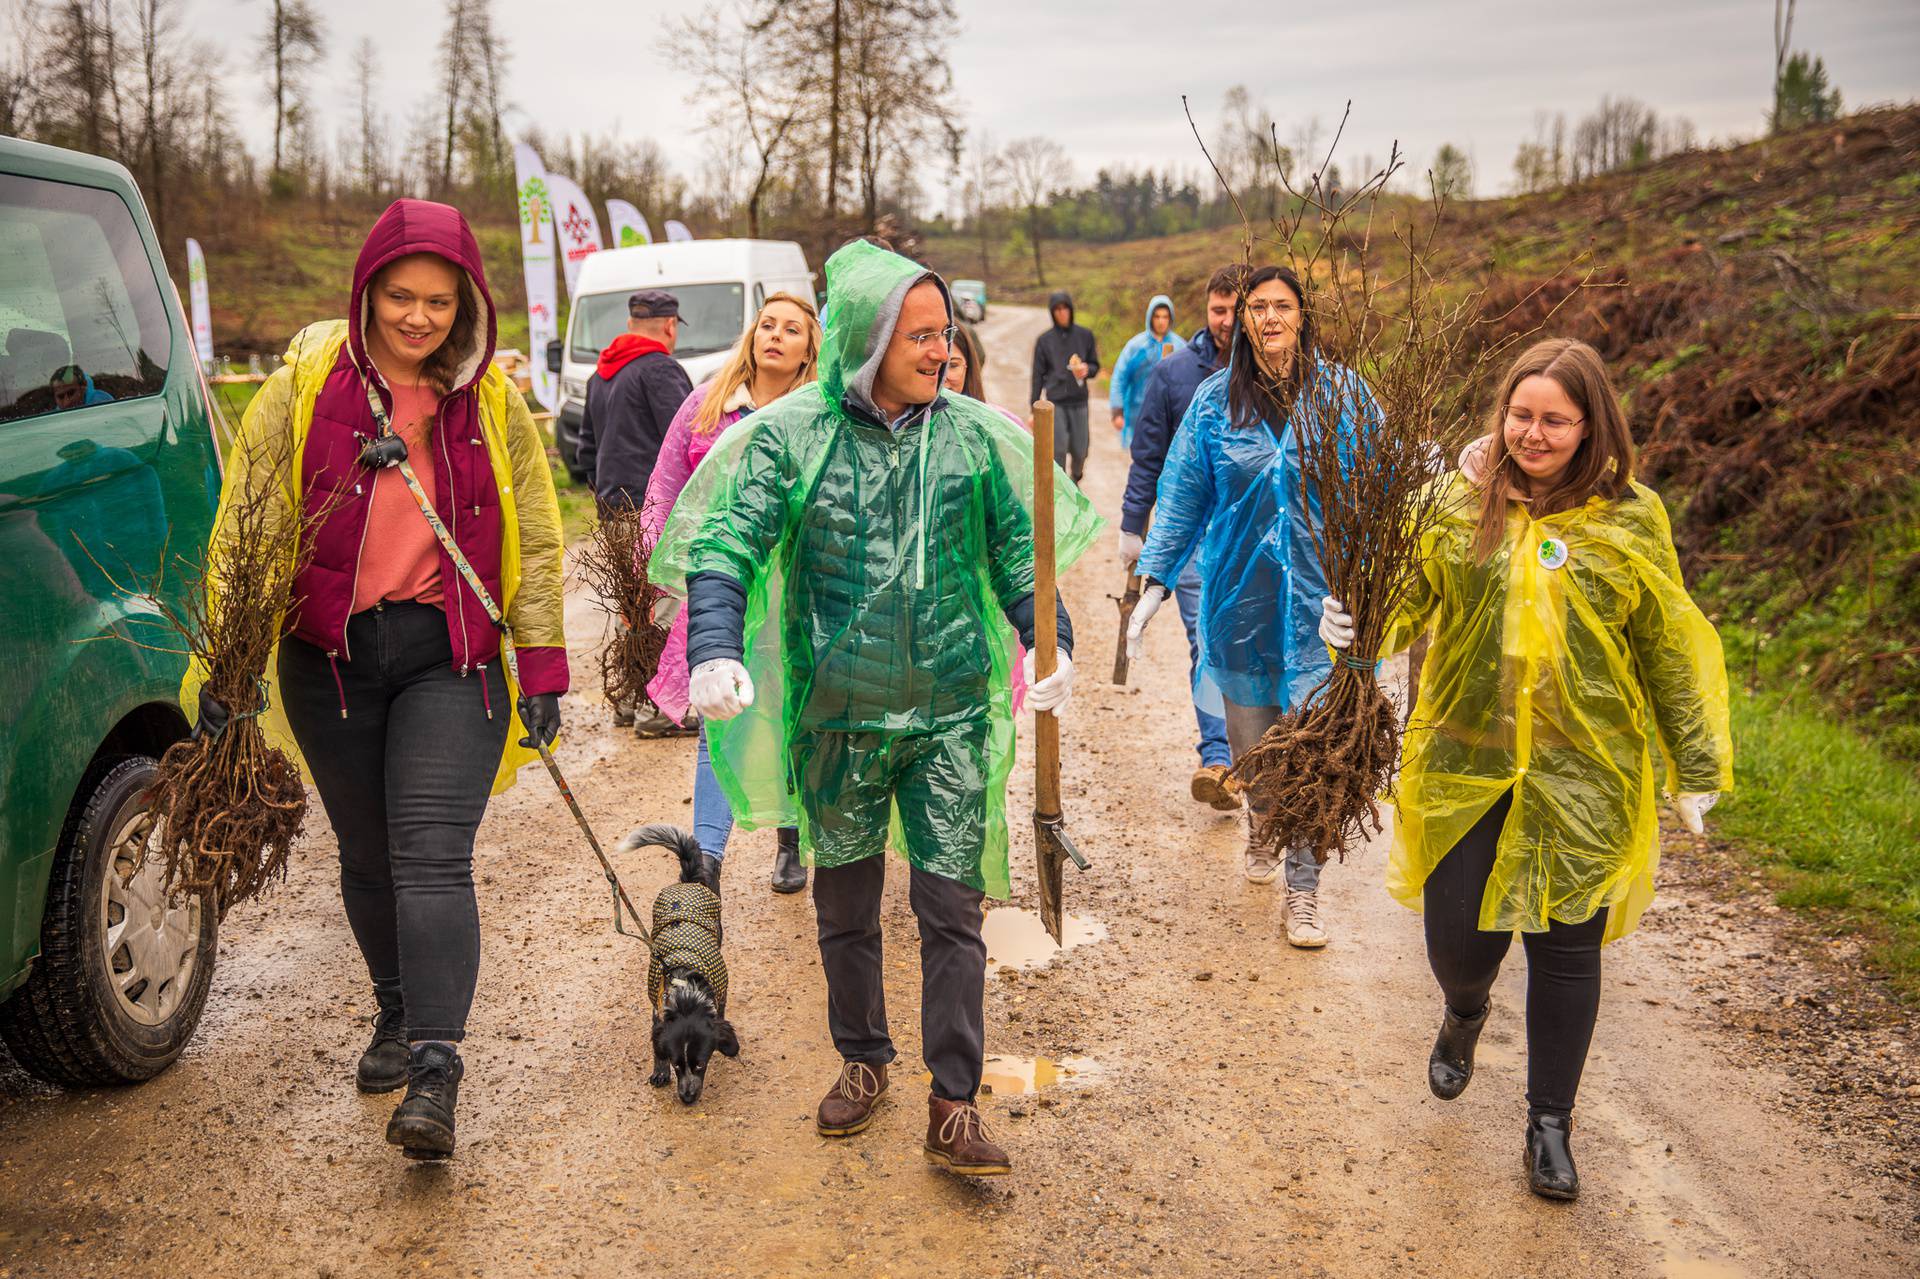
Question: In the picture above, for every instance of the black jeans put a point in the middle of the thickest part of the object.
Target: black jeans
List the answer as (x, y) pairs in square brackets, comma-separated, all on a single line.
[(953, 970), (404, 775), (1563, 966)]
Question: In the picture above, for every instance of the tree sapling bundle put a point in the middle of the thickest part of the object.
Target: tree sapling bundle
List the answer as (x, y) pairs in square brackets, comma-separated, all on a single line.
[(615, 561), (1368, 459)]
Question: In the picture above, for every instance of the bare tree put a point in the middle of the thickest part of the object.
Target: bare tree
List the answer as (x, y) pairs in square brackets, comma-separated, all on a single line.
[(157, 22), (456, 73), (369, 160), (756, 92), (985, 185), (293, 41), (19, 87), (1035, 167), (902, 92)]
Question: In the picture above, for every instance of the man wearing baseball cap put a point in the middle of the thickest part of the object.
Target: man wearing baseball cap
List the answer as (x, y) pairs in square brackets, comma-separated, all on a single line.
[(631, 399)]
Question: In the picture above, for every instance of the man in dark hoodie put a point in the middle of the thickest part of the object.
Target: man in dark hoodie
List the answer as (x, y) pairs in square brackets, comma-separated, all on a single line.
[(1064, 358), (631, 399)]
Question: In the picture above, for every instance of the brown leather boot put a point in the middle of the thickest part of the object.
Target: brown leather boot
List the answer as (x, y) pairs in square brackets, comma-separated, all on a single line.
[(848, 1106), (957, 1140)]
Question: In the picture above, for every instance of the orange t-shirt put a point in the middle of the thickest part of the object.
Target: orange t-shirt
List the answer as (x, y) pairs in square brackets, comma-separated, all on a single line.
[(400, 557)]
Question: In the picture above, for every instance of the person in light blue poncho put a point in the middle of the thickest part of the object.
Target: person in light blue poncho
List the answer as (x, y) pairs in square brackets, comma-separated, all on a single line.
[(1137, 358), (1232, 493)]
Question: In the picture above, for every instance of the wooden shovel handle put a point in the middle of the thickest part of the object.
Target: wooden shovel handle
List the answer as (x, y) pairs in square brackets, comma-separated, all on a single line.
[(1046, 618)]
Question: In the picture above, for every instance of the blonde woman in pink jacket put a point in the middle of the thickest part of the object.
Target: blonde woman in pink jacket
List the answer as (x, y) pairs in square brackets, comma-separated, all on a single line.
[(780, 353)]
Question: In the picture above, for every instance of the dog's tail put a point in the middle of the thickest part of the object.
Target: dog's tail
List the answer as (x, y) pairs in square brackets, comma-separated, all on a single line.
[(684, 846)]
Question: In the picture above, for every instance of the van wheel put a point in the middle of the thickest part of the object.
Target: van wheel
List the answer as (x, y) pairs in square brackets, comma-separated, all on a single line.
[(123, 972)]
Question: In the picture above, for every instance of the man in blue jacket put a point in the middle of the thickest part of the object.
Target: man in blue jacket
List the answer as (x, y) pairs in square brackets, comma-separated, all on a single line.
[(1170, 389)]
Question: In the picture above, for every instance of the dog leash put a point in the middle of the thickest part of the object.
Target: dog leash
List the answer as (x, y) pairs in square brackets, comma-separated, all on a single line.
[(512, 658)]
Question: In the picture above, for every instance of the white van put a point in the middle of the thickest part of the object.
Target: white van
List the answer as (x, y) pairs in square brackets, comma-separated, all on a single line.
[(720, 285)]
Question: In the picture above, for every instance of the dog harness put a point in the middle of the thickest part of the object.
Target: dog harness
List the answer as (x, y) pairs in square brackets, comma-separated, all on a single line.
[(686, 934)]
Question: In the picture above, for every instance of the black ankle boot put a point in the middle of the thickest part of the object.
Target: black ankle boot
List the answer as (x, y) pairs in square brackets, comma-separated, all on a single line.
[(1550, 1170), (710, 871), (422, 1124), (383, 1066), (1451, 1065), (789, 873)]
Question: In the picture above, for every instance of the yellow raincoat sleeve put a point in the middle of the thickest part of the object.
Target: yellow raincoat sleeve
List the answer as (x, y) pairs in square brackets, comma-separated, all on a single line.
[(1415, 611), (538, 603), (1677, 657)]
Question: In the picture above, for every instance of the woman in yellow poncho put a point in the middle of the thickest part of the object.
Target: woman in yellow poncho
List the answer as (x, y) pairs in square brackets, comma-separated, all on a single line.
[(1563, 645)]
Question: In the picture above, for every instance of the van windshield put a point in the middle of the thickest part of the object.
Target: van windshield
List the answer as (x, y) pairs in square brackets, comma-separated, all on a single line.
[(710, 319)]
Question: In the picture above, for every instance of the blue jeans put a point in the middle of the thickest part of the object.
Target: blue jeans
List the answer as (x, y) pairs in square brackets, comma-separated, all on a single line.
[(712, 815), (1213, 729)]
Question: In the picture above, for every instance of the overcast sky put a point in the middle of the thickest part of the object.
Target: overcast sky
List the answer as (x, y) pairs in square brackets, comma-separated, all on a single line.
[(1105, 79)]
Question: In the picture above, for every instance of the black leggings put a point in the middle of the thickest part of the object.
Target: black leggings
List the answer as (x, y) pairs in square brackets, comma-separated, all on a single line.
[(404, 777), (1563, 966)]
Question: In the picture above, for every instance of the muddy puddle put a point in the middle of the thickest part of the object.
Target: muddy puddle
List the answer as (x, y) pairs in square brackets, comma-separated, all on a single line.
[(1017, 940)]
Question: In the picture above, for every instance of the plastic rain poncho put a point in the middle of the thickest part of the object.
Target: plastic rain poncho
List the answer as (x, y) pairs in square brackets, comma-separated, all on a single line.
[(1136, 364), (878, 564), (1553, 682), (1234, 496)]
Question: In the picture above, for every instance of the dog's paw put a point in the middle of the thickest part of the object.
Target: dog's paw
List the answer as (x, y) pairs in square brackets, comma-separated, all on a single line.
[(661, 1077)]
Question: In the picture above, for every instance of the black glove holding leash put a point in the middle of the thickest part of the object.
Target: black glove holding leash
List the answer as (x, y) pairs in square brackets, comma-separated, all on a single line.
[(541, 714)]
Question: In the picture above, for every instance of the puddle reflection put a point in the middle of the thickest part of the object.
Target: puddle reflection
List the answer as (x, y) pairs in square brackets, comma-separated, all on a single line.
[(1016, 938)]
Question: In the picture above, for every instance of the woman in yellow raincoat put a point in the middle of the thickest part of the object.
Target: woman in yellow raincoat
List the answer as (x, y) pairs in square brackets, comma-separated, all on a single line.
[(390, 673), (1563, 645)]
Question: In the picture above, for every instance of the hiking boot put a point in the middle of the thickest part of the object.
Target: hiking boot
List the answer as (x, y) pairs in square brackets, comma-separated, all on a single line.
[(1303, 919), (657, 724), (1451, 1065), (848, 1106), (1212, 786), (383, 1066), (1549, 1157), (422, 1124), (958, 1140), (789, 872)]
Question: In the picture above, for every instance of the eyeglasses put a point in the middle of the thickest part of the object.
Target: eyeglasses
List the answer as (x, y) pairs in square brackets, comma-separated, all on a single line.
[(920, 340), (1551, 424), (1261, 311)]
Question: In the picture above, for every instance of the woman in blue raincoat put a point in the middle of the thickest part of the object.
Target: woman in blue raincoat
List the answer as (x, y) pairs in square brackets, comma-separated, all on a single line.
[(1137, 358), (1232, 493)]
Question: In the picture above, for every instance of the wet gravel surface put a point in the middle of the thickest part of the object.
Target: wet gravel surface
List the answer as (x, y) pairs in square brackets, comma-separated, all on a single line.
[(1214, 1101)]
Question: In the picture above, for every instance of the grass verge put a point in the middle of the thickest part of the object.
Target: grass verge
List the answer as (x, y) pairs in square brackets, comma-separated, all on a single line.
[(1835, 822)]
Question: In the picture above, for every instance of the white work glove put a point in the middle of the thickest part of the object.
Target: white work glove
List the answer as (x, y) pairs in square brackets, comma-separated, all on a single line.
[(1051, 693), (1693, 807), (1150, 601), (1336, 624), (1131, 544), (1473, 458), (720, 688)]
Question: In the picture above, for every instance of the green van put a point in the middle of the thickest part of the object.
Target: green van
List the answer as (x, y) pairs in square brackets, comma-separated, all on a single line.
[(108, 473)]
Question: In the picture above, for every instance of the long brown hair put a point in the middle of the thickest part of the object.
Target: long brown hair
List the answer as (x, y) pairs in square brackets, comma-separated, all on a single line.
[(1601, 467), (742, 365), (974, 383)]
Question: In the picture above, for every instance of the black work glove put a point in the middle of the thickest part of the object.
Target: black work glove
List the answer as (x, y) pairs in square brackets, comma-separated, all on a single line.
[(213, 717), (541, 714)]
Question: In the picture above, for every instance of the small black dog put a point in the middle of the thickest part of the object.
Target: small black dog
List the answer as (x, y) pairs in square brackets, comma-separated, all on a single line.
[(687, 976)]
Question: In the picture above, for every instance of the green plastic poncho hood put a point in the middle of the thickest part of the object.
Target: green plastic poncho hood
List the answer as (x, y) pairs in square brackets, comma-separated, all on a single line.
[(866, 287), (878, 565)]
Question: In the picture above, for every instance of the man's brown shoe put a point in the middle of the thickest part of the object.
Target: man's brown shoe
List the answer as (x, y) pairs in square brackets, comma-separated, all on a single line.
[(1211, 785), (848, 1106), (957, 1140)]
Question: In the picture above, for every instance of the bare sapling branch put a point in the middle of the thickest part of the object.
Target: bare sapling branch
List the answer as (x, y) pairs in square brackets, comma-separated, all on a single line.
[(614, 562), (1382, 404)]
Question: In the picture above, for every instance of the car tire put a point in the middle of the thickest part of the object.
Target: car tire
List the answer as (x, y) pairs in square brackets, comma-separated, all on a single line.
[(88, 1015)]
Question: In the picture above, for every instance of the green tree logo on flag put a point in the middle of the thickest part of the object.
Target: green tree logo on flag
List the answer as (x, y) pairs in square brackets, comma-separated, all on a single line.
[(629, 237), (196, 270), (536, 207)]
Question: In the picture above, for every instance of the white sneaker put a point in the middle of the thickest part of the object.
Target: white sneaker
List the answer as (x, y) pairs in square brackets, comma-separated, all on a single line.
[(1303, 919), (1262, 866)]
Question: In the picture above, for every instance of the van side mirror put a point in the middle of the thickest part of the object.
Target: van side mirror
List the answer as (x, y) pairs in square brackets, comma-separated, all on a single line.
[(555, 353)]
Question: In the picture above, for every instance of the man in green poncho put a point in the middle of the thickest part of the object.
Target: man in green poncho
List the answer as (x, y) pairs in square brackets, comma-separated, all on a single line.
[(857, 559)]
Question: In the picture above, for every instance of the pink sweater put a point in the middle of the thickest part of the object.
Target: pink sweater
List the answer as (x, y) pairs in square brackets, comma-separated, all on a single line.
[(680, 453), (400, 557)]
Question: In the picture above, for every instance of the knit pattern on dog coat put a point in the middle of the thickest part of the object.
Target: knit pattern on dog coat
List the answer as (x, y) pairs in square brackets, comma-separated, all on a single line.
[(686, 934)]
